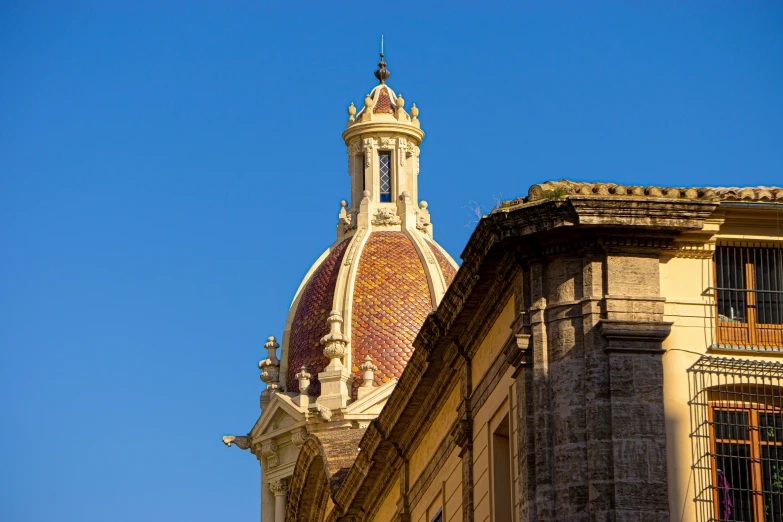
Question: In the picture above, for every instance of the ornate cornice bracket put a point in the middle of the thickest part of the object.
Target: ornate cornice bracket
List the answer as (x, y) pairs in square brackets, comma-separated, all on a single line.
[(324, 413), (269, 450), (462, 434), (516, 348)]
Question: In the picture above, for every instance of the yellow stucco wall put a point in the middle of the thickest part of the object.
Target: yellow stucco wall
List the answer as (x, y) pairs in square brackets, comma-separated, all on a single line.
[(445, 492), (689, 305), (492, 342), (389, 504), (439, 429)]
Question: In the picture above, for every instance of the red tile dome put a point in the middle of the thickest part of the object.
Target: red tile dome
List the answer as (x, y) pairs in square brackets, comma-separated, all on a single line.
[(390, 298)]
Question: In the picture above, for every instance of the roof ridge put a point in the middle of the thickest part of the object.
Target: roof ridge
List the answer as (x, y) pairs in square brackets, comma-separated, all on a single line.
[(565, 188)]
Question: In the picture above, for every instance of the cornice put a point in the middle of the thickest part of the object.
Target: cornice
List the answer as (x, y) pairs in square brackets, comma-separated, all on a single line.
[(363, 130), (499, 242)]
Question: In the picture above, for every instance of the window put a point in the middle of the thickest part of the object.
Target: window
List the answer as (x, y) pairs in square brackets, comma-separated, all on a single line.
[(749, 296), (384, 169), (438, 516), (501, 472), (737, 423)]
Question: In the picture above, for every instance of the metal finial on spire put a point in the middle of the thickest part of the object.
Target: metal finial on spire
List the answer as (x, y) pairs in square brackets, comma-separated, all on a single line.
[(382, 74)]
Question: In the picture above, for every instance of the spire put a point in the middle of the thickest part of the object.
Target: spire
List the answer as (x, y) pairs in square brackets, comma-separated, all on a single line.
[(382, 73)]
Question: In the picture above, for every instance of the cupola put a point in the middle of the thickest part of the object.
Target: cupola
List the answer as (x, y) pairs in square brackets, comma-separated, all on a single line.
[(369, 293)]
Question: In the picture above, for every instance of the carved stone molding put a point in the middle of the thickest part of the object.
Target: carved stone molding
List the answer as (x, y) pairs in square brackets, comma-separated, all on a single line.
[(516, 347), (298, 438), (693, 250), (635, 336), (279, 487), (269, 450), (324, 413), (357, 238), (386, 217), (462, 433), (368, 144)]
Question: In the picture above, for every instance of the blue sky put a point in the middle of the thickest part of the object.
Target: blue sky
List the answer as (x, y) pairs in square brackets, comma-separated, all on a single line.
[(168, 172)]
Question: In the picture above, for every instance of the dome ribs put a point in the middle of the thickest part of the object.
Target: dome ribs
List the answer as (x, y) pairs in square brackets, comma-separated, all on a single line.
[(391, 299), (445, 266), (310, 324)]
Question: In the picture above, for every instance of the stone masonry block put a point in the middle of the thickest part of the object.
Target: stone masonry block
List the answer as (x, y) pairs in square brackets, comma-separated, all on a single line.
[(570, 465), (631, 460), (599, 460), (636, 274), (636, 420), (642, 496)]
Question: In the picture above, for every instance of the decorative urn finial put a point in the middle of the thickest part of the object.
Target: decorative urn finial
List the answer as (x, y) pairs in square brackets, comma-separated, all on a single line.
[(367, 369), (304, 380), (270, 367), (335, 344)]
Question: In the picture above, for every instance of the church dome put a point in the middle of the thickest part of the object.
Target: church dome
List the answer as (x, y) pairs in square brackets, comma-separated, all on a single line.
[(360, 306), (390, 295)]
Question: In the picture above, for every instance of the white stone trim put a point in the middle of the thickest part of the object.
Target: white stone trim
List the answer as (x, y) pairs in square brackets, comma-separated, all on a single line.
[(343, 290), (292, 312)]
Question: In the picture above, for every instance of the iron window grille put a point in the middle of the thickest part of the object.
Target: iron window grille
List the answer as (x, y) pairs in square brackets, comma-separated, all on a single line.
[(385, 167), (736, 410), (749, 297)]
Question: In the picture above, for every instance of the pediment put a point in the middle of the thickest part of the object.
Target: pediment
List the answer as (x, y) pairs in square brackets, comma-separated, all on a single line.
[(373, 402), (279, 414)]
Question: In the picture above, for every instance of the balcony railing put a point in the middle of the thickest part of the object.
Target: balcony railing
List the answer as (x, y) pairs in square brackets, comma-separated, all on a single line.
[(736, 411)]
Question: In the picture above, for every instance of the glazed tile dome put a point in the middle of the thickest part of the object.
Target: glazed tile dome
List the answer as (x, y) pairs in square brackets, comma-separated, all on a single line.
[(386, 284), (370, 292)]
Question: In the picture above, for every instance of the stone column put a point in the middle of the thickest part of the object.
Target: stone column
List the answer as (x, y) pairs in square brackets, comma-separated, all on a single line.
[(280, 490)]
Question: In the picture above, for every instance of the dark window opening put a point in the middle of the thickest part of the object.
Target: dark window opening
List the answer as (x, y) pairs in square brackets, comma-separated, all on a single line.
[(749, 296), (385, 171), (501, 472)]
